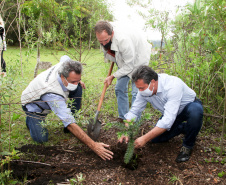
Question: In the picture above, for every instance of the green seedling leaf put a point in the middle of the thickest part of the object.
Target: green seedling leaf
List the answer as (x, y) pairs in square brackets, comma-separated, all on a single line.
[(15, 116), (221, 174)]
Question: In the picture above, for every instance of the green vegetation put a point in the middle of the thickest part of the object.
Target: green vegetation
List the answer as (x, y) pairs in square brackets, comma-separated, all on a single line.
[(13, 128), (131, 131), (78, 180), (45, 30), (221, 174), (195, 52), (174, 179)]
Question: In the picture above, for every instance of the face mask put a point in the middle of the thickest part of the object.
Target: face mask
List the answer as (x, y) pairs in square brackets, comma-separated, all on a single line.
[(70, 86), (108, 45), (147, 92)]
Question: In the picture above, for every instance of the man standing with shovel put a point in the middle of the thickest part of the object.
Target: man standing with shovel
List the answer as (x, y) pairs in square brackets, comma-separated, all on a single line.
[(129, 50)]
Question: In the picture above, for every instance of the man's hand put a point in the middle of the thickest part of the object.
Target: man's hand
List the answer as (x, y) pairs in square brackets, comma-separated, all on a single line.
[(100, 150), (82, 84), (155, 132), (109, 79), (140, 142), (123, 138)]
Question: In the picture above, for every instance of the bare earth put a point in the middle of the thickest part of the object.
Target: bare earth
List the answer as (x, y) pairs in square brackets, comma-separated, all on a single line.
[(156, 162)]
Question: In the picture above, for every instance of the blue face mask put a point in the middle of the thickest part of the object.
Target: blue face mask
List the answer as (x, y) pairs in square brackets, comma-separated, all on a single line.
[(147, 92)]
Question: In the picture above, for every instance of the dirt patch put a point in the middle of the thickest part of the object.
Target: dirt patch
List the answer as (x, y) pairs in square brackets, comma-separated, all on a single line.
[(156, 163)]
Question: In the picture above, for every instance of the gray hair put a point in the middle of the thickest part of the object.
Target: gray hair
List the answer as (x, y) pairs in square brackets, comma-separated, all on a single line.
[(146, 73), (69, 66), (103, 25)]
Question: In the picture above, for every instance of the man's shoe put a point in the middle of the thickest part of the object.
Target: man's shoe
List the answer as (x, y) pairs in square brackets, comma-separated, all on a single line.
[(184, 154), (119, 120), (66, 130)]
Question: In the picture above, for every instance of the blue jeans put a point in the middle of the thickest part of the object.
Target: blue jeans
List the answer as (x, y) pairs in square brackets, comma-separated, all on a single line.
[(121, 91), (37, 131), (188, 122), (33, 120)]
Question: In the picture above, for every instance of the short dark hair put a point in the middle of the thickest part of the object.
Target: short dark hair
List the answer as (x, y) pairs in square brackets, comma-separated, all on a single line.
[(146, 73), (69, 66), (103, 25)]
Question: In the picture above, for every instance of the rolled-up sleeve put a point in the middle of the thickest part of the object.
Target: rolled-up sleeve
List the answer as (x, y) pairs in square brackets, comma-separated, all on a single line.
[(59, 107), (137, 108)]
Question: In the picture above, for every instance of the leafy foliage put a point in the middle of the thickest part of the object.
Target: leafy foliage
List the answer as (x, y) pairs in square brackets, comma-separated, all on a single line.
[(130, 129), (194, 50), (56, 21)]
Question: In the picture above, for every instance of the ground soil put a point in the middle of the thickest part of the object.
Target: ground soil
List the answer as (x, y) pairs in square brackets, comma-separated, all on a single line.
[(156, 162)]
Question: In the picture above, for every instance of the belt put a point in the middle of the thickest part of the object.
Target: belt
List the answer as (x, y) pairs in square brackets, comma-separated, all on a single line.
[(43, 113), (198, 100)]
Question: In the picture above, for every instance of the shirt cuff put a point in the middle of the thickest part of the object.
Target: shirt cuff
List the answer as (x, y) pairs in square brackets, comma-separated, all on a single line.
[(130, 116), (161, 124), (68, 121)]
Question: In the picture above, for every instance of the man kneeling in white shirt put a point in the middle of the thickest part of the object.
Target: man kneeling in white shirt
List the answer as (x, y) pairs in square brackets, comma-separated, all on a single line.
[(182, 112)]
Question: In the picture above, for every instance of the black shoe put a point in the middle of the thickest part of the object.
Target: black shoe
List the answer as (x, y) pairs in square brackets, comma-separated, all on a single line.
[(66, 130), (184, 154)]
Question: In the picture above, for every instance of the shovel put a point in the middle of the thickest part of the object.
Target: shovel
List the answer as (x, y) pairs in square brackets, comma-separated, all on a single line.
[(94, 124)]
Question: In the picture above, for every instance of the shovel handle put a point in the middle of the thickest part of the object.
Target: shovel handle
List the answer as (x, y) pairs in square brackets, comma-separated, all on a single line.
[(105, 88)]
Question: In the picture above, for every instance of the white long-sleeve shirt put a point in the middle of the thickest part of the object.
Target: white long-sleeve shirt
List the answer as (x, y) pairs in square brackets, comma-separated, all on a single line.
[(131, 50), (171, 98)]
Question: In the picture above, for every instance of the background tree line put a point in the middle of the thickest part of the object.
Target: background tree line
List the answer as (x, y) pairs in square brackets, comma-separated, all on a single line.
[(53, 23), (53, 20)]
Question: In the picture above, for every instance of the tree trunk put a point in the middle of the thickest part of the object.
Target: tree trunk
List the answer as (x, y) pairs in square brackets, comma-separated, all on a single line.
[(18, 26), (38, 59), (223, 126), (38, 47)]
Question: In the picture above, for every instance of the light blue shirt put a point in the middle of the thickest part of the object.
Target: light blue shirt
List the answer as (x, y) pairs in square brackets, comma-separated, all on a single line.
[(171, 98), (54, 102)]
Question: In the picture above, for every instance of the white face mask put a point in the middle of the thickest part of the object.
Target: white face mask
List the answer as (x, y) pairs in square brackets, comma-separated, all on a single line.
[(147, 92), (70, 86)]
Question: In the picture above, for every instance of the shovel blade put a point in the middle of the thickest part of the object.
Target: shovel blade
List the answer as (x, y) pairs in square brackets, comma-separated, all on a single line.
[(94, 129)]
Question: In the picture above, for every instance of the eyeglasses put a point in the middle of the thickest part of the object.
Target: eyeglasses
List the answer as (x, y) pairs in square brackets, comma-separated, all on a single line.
[(73, 81)]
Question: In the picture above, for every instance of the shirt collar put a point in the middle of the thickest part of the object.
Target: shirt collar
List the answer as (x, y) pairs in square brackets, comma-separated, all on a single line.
[(114, 47), (61, 83), (160, 88)]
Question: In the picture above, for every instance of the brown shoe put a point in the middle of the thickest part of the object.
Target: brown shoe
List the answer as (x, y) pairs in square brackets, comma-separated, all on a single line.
[(120, 120)]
